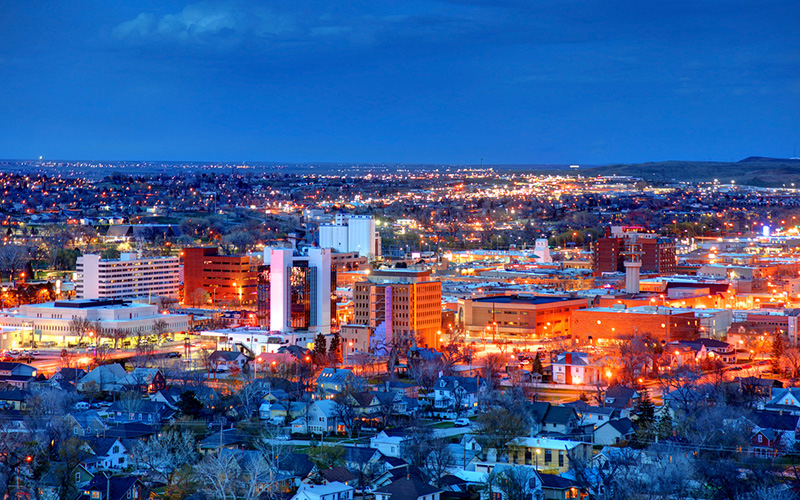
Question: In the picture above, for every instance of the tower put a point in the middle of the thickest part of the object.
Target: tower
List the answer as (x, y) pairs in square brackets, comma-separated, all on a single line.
[(633, 264)]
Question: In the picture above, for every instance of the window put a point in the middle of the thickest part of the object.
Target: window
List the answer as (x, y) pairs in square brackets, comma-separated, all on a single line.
[(95, 494), (760, 437), (116, 449), (548, 456)]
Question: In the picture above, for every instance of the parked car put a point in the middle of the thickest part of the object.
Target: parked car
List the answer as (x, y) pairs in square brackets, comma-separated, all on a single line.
[(461, 422)]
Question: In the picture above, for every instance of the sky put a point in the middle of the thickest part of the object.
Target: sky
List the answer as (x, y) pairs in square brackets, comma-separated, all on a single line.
[(449, 81)]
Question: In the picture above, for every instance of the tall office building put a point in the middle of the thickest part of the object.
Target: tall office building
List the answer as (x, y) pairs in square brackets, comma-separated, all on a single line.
[(351, 233), (225, 278), (126, 277), (658, 253), (295, 291), (400, 303)]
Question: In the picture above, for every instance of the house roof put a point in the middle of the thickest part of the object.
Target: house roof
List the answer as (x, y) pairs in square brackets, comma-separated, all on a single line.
[(622, 425), (555, 482), (130, 430), (359, 454), (449, 383), (341, 474), (334, 375), (119, 486), (101, 445), (407, 488), (229, 437), (142, 406), (225, 356), (559, 415), (775, 420)]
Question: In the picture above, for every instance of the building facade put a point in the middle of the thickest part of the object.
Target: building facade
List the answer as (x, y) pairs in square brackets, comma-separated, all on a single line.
[(220, 279), (351, 233), (518, 315), (126, 277), (401, 303), (111, 319), (658, 254), (296, 292)]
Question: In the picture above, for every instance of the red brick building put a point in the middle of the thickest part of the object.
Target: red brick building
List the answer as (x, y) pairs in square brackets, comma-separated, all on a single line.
[(227, 279), (607, 324), (658, 255)]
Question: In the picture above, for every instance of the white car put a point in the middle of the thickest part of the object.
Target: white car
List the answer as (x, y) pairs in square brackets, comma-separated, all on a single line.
[(461, 422)]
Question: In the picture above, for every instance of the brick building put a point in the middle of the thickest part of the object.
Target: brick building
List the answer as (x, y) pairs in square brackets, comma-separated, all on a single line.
[(606, 324), (226, 278)]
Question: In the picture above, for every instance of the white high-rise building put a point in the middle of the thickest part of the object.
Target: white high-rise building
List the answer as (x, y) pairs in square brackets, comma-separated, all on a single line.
[(299, 289), (350, 233), (128, 277)]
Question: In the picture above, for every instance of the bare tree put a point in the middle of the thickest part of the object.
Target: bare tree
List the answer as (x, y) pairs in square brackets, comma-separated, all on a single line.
[(218, 474), (791, 358), (166, 453), (80, 327), (497, 426), (345, 411), (516, 483)]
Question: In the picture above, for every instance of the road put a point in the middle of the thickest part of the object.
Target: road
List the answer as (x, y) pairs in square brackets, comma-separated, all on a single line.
[(49, 361)]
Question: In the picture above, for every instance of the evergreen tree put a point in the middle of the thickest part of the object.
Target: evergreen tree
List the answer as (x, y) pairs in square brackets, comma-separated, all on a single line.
[(335, 349), (777, 350), (645, 420), (536, 365), (320, 350)]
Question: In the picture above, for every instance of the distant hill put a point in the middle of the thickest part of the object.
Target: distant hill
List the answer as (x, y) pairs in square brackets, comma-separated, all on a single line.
[(752, 171)]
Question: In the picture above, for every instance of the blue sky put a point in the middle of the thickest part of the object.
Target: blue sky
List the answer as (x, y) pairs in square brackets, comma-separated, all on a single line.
[(510, 81)]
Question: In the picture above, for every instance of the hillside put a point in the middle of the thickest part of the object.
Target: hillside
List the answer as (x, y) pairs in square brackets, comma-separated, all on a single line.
[(752, 171)]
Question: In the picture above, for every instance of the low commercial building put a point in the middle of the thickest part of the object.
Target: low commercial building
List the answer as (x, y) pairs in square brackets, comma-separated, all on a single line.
[(255, 341), (110, 319), (526, 316), (606, 325)]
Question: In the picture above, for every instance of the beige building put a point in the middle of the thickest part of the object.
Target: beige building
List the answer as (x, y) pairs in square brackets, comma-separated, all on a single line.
[(408, 302), (126, 277), (51, 322)]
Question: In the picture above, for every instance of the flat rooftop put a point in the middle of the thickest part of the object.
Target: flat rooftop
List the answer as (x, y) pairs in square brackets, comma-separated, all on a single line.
[(524, 299)]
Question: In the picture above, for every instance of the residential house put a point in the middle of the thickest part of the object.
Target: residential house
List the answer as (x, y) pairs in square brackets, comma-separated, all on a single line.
[(330, 491), (143, 411), (103, 487), (50, 485), (107, 453), (551, 455), (144, 380), (14, 399), (589, 414), (332, 381), (131, 430), (104, 378), (765, 443), (574, 368), (220, 361), (318, 417), (457, 394), (614, 431), (358, 457), (389, 442), (408, 488), (85, 423), (784, 400), (18, 375), (230, 439), (784, 425), (622, 398), (560, 420), (553, 487), (339, 474), (711, 349)]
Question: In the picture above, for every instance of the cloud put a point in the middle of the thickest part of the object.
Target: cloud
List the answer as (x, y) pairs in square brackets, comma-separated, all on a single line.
[(205, 21)]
